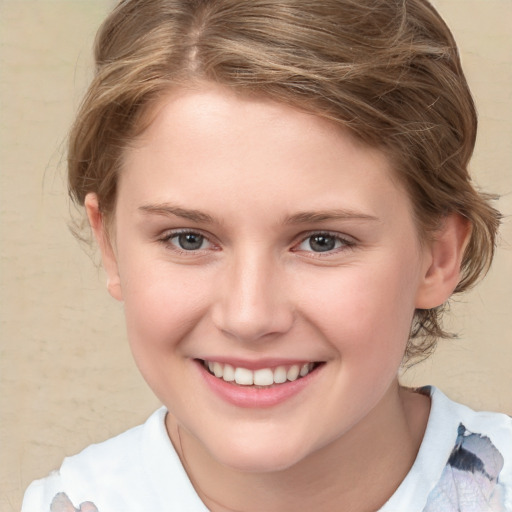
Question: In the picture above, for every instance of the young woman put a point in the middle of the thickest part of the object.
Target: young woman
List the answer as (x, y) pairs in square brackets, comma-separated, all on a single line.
[(280, 194)]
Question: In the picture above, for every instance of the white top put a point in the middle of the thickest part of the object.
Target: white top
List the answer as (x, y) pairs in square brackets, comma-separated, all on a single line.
[(464, 465)]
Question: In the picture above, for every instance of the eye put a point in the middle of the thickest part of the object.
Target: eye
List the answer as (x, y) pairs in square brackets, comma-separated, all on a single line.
[(323, 242), (187, 241)]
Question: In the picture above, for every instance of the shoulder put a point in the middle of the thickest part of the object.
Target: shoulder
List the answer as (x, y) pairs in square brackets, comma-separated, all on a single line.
[(478, 470), (102, 473), (497, 427), (464, 462)]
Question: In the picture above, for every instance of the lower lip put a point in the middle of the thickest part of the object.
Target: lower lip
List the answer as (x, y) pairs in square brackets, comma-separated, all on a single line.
[(254, 397)]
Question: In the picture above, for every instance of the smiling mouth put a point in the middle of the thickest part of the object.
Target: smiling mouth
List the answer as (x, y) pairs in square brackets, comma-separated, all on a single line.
[(263, 377)]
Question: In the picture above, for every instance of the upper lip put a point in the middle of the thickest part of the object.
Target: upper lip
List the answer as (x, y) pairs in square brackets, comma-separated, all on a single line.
[(259, 363)]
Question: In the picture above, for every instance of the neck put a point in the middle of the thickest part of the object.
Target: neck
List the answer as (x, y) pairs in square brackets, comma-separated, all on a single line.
[(358, 471)]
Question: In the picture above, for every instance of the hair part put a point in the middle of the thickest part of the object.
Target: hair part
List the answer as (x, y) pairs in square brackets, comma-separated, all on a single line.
[(388, 70)]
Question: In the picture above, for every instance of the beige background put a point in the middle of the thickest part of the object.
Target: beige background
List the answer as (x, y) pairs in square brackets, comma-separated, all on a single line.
[(67, 378)]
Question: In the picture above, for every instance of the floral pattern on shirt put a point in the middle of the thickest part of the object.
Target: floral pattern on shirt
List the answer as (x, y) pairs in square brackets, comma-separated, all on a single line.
[(470, 479), (61, 503)]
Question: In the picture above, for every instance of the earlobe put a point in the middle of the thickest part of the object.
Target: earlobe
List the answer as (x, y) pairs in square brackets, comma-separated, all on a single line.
[(108, 256), (445, 253)]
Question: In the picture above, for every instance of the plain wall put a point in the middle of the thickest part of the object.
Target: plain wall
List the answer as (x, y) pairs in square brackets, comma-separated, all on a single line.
[(67, 378)]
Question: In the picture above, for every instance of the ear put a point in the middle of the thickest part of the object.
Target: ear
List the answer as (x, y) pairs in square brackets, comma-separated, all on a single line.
[(108, 256), (443, 262)]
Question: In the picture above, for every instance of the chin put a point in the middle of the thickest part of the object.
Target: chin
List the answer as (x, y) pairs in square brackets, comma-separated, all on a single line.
[(258, 456)]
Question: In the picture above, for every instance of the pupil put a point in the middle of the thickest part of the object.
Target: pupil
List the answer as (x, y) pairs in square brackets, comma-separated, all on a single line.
[(322, 243), (190, 241)]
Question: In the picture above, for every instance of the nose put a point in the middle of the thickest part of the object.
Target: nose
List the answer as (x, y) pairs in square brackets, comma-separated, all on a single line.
[(252, 299)]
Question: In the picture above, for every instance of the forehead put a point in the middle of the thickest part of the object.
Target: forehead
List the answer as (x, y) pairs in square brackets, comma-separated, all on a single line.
[(210, 143)]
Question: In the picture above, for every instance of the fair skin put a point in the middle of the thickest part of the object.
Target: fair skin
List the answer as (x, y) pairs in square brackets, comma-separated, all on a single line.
[(251, 234)]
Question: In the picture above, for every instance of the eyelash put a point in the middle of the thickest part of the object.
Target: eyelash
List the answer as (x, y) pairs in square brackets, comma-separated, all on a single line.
[(343, 243), (169, 236)]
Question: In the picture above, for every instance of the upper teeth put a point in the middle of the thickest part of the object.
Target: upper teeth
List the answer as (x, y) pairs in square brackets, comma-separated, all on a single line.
[(262, 377)]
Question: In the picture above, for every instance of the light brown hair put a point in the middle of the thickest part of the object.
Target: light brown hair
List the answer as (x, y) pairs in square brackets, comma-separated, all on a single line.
[(388, 70)]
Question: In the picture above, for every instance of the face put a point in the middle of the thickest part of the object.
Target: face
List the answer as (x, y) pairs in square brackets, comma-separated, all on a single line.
[(264, 245)]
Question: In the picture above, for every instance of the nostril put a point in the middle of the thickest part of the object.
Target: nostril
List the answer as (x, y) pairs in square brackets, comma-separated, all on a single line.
[(253, 323)]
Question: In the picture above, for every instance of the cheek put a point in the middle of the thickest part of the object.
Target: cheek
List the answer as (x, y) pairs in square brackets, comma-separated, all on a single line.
[(162, 304), (366, 310)]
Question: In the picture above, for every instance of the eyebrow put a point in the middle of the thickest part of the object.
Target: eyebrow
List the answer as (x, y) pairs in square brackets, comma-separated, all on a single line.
[(305, 217), (185, 213), (324, 215)]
